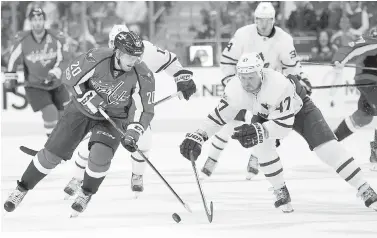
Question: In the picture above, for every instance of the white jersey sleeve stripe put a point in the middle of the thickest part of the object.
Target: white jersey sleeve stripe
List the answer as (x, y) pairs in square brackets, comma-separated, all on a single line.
[(174, 59), (229, 58), (166, 64), (290, 65), (13, 57), (59, 54), (359, 51), (228, 63), (138, 103), (283, 124)]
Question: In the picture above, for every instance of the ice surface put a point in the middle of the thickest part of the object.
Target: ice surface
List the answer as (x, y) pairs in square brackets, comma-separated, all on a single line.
[(325, 206)]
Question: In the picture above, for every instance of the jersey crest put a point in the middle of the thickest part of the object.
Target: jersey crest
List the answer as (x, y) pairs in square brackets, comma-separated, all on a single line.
[(114, 92)]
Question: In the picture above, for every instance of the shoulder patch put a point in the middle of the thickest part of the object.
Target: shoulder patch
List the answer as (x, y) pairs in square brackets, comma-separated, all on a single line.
[(89, 56)]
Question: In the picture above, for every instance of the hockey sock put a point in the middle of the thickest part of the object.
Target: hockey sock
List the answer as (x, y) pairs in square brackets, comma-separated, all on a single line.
[(334, 155), (342, 131), (138, 163), (81, 160), (39, 167), (98, 166), (92, 181), (217, 146), (50, 117), (270, 163), (273, 170)]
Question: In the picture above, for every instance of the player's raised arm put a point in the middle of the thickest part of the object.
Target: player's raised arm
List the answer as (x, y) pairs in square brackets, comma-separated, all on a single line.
[(160, 60), (291, 63)]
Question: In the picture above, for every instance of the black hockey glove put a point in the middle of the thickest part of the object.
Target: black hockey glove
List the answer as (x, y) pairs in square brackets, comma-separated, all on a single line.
[(185, 83), (131, 137), (193, 144), (307, 85), (249, 135)]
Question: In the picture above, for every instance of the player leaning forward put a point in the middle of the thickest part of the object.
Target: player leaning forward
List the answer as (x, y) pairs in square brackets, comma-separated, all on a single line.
[(104, 78), (277, 50), (157, 60), (281, 104)]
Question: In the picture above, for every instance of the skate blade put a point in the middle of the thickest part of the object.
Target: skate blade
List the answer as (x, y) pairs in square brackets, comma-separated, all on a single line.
[(136, 194), (249, 176), (74, 214), (287, 208)]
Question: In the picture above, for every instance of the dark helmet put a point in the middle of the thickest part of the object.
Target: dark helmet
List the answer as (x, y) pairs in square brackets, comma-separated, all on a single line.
[(37, 12), (129, 43)]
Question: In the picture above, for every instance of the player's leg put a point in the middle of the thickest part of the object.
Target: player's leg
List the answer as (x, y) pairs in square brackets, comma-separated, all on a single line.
[(60, 97), (81, 157), (310, 123), (218, 144), (60, 145), (138, 163), (41, 100), (103, 144), (270, 164), (373, 150)]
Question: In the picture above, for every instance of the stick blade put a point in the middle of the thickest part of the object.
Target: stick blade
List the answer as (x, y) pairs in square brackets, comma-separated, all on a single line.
[(210, 216), (28, 150)]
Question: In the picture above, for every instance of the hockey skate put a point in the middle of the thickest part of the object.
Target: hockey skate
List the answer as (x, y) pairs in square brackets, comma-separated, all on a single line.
[(72, 187), (137, 184), (252, 167), (368, 195), (15, 198), (81, 202), (283, 199), (209, 167)]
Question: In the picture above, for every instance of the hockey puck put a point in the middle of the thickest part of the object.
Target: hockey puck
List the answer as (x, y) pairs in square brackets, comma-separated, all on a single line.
[(176, 218)]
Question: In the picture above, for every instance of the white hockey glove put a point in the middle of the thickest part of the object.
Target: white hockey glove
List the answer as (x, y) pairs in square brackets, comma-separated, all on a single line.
[(11, 80), (250, 135)]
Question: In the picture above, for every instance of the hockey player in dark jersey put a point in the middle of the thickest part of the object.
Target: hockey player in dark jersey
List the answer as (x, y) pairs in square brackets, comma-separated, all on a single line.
[(114, 80), (44, 55), (365, 49)]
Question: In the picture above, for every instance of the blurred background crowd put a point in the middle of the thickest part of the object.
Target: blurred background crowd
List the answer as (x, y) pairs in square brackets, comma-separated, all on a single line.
[(196, 31)]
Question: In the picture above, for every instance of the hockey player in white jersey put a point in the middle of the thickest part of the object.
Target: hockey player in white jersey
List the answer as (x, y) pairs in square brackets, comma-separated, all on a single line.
[(157, 60), (279, 104), (276, 48)]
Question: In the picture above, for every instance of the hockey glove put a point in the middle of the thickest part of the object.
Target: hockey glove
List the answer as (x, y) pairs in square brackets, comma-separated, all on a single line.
[(193, 143), (53, 75), (307, 85), (91, 101), (185, 83), (10, 83), (249, 135), (131, 137)]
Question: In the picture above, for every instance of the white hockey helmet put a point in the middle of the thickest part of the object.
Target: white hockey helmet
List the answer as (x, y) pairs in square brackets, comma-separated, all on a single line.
[(249, 71), (114, 31), (249, 63), (265, 10)]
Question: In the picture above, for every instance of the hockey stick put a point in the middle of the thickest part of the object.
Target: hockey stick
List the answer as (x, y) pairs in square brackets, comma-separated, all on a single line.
[(333, 65), (32, 152), (209, 212), (344, 86), (179, 93), (104, 114)]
